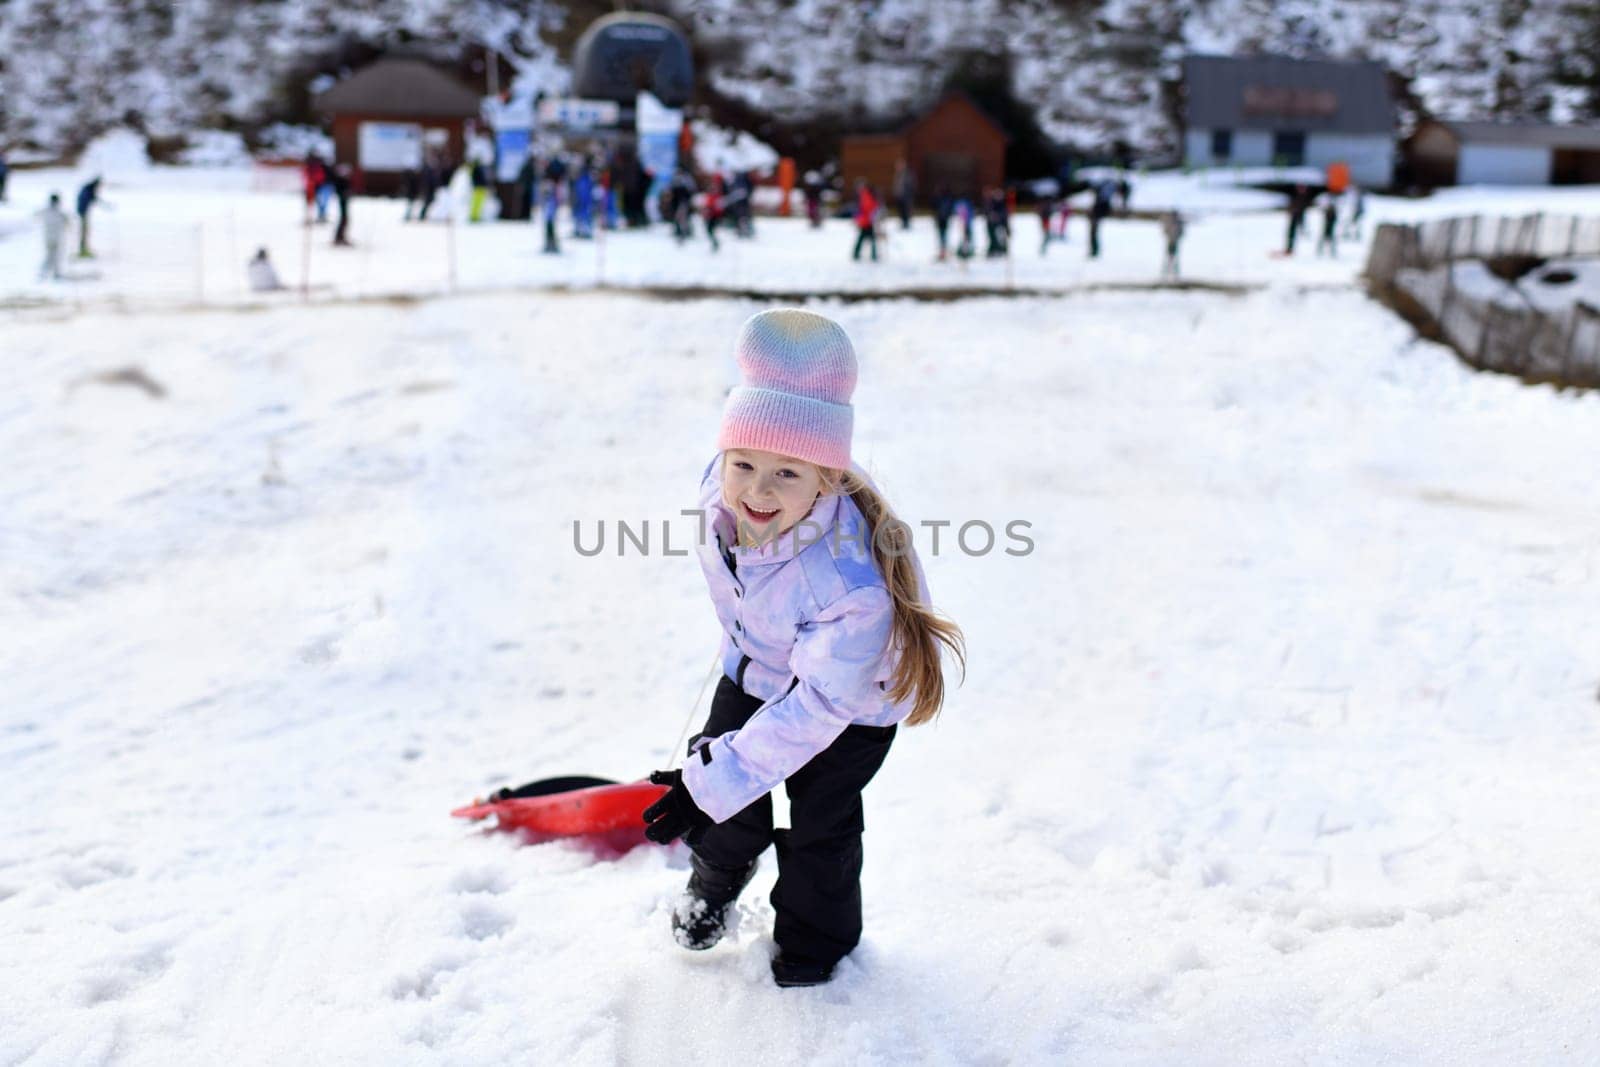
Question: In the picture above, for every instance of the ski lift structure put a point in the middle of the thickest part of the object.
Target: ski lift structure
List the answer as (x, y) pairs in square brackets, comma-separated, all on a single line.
[(616, 59), (632, 73)]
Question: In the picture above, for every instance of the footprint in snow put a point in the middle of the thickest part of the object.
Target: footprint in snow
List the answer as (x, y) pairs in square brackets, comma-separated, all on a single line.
[(481, 920), (114, 979), (86, 871), (425, 983), (482, 880), (322, 650)]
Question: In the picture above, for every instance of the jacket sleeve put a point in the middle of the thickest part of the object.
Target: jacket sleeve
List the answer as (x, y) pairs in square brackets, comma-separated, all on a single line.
[(836, 661)]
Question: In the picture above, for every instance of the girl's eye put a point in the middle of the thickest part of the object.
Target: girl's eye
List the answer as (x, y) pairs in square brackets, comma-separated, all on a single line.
[(740, 464), (787, 473)]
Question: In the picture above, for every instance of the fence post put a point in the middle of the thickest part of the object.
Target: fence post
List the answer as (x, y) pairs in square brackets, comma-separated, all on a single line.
[(1572, 236), (1594, 352), (305, 259), (1490, 310), (1444, 301), (1524, 355), (1566, 346), (450, 247)]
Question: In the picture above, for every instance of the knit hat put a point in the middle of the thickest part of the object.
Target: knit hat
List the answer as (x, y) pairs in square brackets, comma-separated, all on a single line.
[(799, 371)]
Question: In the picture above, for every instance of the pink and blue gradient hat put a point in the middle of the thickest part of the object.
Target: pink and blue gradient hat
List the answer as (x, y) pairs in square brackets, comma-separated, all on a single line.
[(799, 370)]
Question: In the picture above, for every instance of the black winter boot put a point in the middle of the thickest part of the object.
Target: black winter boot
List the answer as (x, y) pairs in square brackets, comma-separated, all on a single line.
[(791, 971), (701, 914)]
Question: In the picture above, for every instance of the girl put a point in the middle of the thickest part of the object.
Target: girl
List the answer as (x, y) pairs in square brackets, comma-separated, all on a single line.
[(828, 642)]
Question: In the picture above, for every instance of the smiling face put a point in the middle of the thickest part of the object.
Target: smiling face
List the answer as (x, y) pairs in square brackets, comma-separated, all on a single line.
[(766, 492)]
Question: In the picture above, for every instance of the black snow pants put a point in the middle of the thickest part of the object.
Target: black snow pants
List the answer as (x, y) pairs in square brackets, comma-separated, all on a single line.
[(818, 895), (865, 235)]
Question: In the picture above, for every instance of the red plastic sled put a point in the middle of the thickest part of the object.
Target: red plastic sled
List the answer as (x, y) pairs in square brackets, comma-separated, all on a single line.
[(568, 807)]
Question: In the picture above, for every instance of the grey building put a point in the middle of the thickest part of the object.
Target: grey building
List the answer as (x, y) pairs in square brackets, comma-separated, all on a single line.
[(1273, 110), (1503, 153)]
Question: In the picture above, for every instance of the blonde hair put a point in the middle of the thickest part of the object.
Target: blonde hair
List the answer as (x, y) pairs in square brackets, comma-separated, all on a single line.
[(918, 632)]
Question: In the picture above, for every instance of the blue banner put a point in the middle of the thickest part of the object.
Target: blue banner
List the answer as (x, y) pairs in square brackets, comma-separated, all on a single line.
[(510, 149)]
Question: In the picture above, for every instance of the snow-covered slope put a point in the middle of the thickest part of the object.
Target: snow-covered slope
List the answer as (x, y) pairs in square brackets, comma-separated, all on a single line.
[(1278, 747)]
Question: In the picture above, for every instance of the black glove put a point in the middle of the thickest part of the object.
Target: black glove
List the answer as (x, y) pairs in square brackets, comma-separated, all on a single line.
[(676, 814)]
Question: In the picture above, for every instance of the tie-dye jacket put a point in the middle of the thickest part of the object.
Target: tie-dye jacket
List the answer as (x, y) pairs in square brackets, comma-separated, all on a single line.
[(806, 623)]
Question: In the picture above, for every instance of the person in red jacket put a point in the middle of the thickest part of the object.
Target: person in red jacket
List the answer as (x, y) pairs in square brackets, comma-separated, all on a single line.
[(714, 209), (866, 219), (315, 175)]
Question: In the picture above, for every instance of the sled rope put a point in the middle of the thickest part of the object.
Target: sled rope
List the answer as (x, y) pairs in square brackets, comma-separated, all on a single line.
[(678, 754)]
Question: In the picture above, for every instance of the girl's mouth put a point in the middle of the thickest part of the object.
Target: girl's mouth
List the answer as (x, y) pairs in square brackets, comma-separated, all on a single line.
[(761, 516)]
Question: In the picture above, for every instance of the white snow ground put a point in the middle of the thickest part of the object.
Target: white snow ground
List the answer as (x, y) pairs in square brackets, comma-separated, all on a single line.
[(1279, 746), (180, 238)]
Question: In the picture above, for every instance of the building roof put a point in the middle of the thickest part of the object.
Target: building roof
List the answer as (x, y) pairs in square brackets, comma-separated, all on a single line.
[(402, 88), (1280, 93), (958, 98), (1525, 134)]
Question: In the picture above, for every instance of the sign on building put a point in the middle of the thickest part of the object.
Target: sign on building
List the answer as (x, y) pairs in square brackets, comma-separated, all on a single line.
[(658, 128), (389, 146), (1287, 102), (511, 148), (575, 113)]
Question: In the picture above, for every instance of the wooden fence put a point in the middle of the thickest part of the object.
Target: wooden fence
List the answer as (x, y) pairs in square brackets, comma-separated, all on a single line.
[(1420, 268)]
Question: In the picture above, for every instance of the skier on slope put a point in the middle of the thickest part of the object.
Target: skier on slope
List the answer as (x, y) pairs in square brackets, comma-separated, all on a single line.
[(262, 274), (1328, 239), (1099, 210), (905, 191), (714, 209), (813, 193), (88, 197), (583, 200), (828, 642), (54, 222), (866, 219), (1172, 234), (944, 207), (555, 176)]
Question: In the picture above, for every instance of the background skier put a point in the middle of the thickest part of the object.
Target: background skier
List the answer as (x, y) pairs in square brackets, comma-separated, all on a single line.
[(1172, 234), (1098, 211), (88, 197), (55, 222), (262, 274), (905, 191), (866, 219), (339, 183)]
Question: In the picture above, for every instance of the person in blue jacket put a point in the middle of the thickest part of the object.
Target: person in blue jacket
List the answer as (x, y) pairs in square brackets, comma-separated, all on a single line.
[(555, 177), (829, 642), (88, 197), (583, 200)]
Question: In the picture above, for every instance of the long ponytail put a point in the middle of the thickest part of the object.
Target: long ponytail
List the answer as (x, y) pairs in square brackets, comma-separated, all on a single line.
[(919, 634)]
